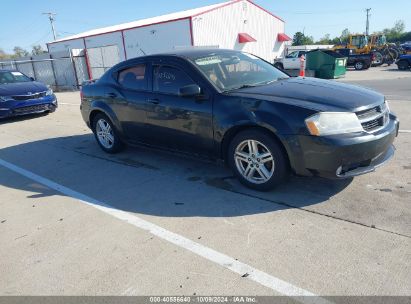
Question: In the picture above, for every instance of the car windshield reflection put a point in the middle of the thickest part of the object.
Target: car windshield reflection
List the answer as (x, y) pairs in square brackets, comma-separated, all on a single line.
[(229, 71)]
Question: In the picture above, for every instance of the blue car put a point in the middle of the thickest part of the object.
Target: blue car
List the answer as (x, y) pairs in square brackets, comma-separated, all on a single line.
[(404, 62), (21, 95)]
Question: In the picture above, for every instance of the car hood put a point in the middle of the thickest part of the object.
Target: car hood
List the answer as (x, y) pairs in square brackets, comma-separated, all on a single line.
[(315, 94), (22, 88)]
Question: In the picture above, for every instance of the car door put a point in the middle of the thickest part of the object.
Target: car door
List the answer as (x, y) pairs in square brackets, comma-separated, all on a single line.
[(177, 122), (291, 61), (133, 82)]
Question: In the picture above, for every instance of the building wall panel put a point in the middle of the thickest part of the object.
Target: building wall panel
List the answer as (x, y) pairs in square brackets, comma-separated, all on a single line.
[(66, 45), (106, 40), (157, 38), (222, 26)]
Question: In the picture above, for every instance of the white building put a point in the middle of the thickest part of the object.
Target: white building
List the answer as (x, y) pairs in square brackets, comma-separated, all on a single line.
[(237, 24)]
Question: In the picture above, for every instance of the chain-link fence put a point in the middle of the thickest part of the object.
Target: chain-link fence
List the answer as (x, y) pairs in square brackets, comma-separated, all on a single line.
[(61, 71)]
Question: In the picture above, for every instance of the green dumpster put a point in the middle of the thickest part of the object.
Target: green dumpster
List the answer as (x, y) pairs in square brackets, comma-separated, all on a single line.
[(327, 64)]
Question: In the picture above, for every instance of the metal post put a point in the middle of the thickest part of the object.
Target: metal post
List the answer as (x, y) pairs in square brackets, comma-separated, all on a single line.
[(34, 68), (74, 67), (54, 72)]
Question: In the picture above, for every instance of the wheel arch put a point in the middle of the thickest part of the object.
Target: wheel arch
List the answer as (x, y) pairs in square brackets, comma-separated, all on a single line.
[(100, 107), (267, 129)]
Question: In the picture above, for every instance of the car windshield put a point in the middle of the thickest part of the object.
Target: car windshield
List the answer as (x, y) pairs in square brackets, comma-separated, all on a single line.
[(12, 77), (235, 70)]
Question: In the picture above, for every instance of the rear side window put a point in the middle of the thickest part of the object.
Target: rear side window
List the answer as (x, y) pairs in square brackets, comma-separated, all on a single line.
[(169, 80), (133, 78)]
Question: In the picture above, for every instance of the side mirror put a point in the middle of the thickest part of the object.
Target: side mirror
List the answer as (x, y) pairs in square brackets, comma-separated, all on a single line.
[(32, 79), (190, 90)]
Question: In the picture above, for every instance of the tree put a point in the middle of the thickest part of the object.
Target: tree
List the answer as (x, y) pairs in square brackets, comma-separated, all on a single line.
[(37, 50), (20, 52), (300, 39), (3, 54), (394, 34), (324, 40), (345, 34), (399, 26)]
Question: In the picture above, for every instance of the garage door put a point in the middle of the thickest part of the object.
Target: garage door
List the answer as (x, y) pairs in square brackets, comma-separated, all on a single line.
[(102, 58)]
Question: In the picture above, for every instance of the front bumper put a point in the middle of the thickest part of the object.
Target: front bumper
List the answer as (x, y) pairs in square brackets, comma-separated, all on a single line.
[(45, 104), (348, 155)]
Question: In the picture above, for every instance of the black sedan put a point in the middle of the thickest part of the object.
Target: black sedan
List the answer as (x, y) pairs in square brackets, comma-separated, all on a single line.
[(20, 95), (234, 106)]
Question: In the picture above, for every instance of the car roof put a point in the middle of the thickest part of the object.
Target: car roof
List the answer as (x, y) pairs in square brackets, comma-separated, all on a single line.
[(191, 53)]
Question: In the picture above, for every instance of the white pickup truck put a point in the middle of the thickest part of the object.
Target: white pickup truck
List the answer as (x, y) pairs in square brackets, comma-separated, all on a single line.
[(290, 62)]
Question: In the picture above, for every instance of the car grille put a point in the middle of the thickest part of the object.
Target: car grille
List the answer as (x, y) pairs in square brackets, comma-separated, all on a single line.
[(29, 96), (375, 118), (31, 109)]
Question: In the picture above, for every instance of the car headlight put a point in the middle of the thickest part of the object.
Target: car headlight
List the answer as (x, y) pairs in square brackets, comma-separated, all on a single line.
[(387, 106), (49, 92), (4, 98), (330, 123)]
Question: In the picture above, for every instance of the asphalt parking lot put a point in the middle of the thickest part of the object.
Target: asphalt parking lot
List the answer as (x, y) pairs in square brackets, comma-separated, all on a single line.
[(76, 221)]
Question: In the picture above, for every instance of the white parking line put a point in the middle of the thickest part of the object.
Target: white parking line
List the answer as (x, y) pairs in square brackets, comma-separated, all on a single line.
[(404, 131), (69, 104), (212, 255)]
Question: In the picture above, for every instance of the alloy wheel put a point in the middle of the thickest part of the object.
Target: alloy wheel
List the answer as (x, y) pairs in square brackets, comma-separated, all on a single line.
[(105, 133), (254, 161)]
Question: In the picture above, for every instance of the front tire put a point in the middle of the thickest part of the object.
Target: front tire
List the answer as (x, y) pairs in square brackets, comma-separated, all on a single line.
[(257, 160), (106, 135), (359, 65)]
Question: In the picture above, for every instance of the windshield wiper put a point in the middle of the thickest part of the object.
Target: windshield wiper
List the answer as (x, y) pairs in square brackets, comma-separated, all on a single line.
[(242, 87)]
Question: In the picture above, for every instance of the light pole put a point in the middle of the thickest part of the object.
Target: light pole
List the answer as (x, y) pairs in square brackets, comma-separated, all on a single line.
[(51, 18), (367, 26)]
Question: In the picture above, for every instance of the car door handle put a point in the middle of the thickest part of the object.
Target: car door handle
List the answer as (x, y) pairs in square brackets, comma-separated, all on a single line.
[(111, 95), (153, 101)]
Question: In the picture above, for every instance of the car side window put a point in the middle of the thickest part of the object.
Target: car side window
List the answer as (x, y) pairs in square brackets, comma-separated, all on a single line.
[(133, 77), (293, 54), (169, 80)]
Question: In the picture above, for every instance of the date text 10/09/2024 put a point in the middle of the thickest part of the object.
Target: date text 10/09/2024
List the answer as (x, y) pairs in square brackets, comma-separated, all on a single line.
[(203, 299)]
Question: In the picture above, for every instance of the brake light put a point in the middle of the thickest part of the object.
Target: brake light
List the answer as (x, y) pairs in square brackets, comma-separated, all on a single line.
[(81, 95)]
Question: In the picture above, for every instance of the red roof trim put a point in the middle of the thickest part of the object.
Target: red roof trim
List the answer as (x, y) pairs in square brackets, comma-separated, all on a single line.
[(268, 12), (178, 19), (218, 7), (283, 37), (244, 38)]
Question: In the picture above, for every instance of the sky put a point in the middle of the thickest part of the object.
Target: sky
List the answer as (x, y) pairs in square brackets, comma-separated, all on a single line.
[(23, 24)]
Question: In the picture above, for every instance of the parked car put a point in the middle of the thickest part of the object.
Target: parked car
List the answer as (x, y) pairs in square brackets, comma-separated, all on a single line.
[(234, 106), (358, 61), (404, 62), (406, 45), (289, 62), (20, 95)]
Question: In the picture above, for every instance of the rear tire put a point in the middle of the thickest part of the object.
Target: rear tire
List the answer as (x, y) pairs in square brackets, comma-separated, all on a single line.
[(279, 65), (257, 160), (403, 65), (378, 60), (106, 134)]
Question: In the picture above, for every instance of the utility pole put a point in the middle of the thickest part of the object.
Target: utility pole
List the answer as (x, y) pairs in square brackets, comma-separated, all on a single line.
[(367, 26), (51, 18)]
